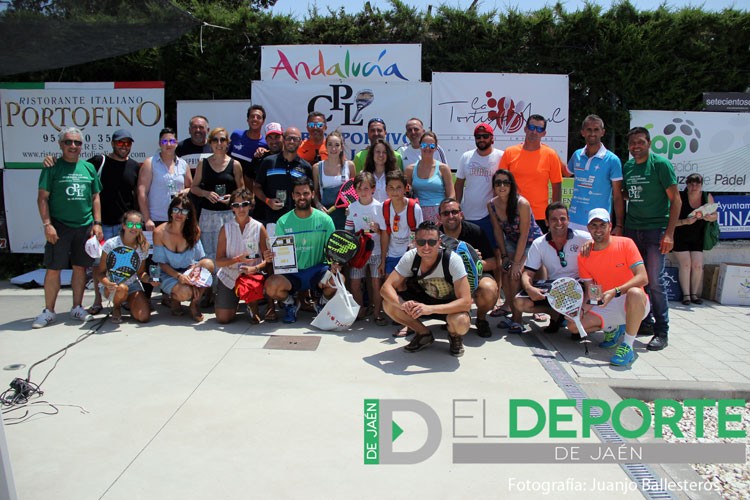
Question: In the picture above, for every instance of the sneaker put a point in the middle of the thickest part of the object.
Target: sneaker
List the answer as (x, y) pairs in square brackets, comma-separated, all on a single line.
[(419, 342), (483, 328), (79, 313), (623, 356), (43, 319), (457, 345), (612, 336), (290, 312), (318, 305)]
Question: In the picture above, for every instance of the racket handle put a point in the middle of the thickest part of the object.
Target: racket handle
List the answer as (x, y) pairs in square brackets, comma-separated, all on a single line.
[(330, 210), (327, 276)]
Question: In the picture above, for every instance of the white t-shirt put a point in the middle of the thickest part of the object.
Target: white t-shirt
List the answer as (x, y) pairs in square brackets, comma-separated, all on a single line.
[(542, 251), (477, 172), (434, 284), (360, 217), (400, 239), (413, 155)]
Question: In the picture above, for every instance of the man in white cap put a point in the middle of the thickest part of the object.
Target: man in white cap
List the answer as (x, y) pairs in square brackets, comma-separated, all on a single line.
[(616, 267)]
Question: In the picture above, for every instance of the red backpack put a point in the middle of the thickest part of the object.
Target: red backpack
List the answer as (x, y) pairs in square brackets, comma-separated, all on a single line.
[(411, 219), (366, 245)]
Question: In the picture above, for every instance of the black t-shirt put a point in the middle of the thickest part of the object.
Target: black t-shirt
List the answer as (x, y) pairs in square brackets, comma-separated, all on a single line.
[(192, 154), (275, 174), (474, 236), (119, 181)]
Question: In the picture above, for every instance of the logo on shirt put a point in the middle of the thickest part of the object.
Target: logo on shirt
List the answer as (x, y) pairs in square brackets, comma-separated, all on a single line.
[(76, 190), (634, 192)]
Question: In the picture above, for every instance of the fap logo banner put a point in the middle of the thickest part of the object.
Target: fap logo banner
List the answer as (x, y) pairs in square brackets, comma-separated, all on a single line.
[(715, 145), (336, 63), (461, 101)]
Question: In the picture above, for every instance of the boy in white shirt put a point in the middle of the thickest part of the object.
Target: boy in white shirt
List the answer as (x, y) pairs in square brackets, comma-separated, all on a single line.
[(398, 221)]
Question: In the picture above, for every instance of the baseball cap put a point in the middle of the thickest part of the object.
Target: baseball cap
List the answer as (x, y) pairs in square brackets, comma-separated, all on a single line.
[(483, 128), (93, 248), (122, 134), (274, 128), (598, 213)]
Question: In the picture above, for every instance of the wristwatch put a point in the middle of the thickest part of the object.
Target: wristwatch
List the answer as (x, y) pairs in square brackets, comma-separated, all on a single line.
[(97, 223), (618, 292)]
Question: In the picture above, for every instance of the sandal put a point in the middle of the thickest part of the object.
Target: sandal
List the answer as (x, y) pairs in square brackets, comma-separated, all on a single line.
[(539, 317), (403, 332), (116, 317), (695, 299), (505, 324), (499, 312), (94, 309), (176, 308), (686, 300), (195, 312), (516, 328), (381, 321), (271, 316)]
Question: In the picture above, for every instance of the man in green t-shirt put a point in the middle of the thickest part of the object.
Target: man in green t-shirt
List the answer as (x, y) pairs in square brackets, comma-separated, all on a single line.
[(311, 229), (68, 201), (653, 209)]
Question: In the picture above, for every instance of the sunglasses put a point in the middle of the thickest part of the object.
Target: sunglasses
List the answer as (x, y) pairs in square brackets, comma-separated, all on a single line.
[(561, 256), (178, 210), (448, 213), (165, 142), (293, 139), (502, 182), (482, 136), (71, 142), (396, 220), (220, 139), (242, 204), (131, 225), (428, 146), (123, 144), (695, 182), (535, 128), (421, 243), (315, 124)]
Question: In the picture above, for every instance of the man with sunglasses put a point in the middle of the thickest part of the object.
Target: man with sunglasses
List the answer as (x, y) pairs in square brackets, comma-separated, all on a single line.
[(313, 149), (535, 166), (411, 153), (418, 290), (557, 251), (68, 201)]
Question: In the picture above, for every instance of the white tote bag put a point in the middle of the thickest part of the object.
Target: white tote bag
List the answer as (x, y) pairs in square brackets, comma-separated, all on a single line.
[(340, 312)]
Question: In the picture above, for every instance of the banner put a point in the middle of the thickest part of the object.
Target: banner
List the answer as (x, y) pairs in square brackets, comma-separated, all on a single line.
[(734, 216), (336, 63), (347, 107), (461, 101), (33, 114), (230, 114), (715, 145)]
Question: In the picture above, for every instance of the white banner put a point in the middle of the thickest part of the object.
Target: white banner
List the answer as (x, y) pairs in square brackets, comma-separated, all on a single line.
[(348, 107), (25, 230), (350, 63), (713, 144), (229, 114), (33, 117), (461, 101)]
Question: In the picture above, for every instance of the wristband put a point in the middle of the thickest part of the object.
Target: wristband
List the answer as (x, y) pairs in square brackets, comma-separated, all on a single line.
[(46, 224), (97, 223)]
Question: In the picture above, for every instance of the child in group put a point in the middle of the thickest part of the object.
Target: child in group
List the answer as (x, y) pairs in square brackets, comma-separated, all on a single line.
[(363, 215)]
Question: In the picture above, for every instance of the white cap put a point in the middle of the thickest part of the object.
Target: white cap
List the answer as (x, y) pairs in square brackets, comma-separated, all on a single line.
[(598, 213), (93, 248)]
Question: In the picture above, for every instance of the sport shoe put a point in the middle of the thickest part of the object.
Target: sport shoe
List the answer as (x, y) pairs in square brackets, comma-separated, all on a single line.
[(623, 356), (457, 345), (43, 319), (318, 305), (612, 337), (419, 342), (483, 328), (290, 312), (79, 313)]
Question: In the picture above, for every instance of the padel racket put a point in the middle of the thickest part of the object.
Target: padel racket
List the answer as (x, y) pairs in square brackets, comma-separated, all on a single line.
[(566, 297), (122, 263), (347, 196), (342, 246)]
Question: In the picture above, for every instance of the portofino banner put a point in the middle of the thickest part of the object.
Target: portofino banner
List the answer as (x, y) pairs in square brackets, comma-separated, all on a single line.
[(350, 63), (715, 145), (461, 101)]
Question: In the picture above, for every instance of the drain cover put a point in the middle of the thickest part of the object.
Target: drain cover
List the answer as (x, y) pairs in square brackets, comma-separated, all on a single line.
[(293, 342), (16, 366)]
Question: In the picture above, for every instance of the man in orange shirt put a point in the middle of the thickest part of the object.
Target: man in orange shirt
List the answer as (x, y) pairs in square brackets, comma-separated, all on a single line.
[(313, 149), (534, 165), (616, 267)]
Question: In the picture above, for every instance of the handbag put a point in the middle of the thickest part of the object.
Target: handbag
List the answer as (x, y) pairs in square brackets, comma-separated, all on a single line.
[(711, 235), (340, 312)]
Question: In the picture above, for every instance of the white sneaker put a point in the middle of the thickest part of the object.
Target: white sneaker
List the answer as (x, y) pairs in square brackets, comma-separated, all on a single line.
[(78, 312), (43, 319)]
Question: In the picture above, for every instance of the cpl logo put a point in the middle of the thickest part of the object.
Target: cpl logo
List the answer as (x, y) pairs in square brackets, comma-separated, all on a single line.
[(671, 144), (508, 115)]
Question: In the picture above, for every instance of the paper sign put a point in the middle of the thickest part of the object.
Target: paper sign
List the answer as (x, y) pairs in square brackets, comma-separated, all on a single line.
[(284, 254)]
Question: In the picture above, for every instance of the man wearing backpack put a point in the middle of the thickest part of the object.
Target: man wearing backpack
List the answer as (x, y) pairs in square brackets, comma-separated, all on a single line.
[(419, 289), (486, 292)]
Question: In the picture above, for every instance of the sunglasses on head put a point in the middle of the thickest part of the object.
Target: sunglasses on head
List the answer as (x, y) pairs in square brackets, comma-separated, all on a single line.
[(535, 128), (421, 242), (220, 139), (315, 124), (123, 144), (428, 146), (165, 142), (241, 204), (482, 136), (71, 142), (178, 210), (131, 225), (447, 213), (502, 182)]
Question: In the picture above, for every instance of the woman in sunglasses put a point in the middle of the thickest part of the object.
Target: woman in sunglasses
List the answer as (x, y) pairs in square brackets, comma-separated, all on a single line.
[(161, 178), (379, 161), (178, 251), (130, 290), (515, 228), (430, 180), (240, 259), (215, 178)]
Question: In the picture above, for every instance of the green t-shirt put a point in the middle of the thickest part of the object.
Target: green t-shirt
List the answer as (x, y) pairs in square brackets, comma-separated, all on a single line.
[(310, 236), (359, 160), (646, 185), (71, 187)]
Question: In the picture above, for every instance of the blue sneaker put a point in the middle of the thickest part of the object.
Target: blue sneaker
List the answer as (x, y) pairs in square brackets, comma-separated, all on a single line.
[(612, 337), (623, 356), (290, 312)]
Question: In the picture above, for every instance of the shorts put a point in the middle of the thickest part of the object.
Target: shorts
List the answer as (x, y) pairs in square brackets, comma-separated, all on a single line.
[(510, 247), (425, 299), (390, 264), (134, 287), (307, 279), (614, 313), (486, 224), (372, 264), (167, 282), (110, 231), (683, 245), (543, 285), (69, 249)]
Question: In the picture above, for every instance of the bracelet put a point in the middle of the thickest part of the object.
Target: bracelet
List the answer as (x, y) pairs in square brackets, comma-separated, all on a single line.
[(97, 223), (46, 224)]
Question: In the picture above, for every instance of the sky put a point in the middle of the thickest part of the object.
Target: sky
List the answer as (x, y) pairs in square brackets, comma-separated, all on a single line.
[(299, 8)]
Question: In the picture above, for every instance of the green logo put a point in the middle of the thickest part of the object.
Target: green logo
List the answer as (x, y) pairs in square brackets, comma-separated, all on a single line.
[(672, 143)]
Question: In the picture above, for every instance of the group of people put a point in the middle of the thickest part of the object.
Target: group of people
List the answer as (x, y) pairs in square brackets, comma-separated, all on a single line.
[(215, 200)]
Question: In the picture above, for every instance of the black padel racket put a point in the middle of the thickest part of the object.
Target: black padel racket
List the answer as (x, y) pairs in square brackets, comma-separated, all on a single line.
[(347, 196), (122, 263), (342, 246)]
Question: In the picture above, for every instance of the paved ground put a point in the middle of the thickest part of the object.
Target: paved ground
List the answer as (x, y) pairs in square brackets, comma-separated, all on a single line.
[(176, 410)]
